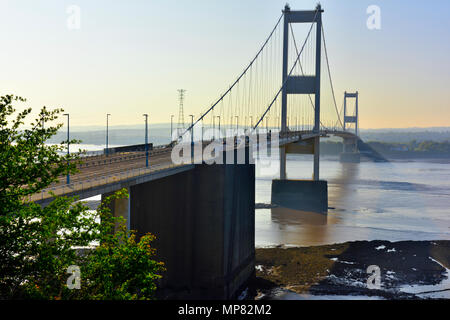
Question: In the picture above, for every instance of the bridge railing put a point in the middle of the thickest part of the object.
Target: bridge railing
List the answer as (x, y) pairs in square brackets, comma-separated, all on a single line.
[(81, 186), (120, 157)]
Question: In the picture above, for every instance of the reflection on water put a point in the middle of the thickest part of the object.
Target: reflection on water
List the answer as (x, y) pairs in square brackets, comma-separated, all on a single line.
[(289, 220), (367, 201)]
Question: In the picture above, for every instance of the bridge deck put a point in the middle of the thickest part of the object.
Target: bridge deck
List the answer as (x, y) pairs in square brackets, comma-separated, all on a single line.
[(100, 174)]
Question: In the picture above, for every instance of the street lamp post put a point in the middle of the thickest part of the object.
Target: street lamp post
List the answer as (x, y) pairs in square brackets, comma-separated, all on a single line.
[(107, 129), (220, 133), (146, 139), (237, 124), (192, 137), (68, 151), (171, 127), (214, 128)]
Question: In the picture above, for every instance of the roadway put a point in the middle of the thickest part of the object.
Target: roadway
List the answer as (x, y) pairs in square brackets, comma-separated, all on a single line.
[(97, 172)]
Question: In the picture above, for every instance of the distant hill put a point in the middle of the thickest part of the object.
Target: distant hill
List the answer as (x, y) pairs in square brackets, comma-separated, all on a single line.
[(160, 134), (438, 134)]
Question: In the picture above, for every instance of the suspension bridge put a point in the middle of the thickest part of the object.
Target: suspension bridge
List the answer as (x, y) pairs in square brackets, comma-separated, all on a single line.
[(203, 215)]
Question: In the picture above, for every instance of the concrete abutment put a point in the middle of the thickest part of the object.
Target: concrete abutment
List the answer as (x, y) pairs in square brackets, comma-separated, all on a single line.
[(304, 195), (204, 224)]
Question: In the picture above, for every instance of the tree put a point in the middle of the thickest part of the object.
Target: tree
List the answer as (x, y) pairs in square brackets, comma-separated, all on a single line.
[(37, 244)]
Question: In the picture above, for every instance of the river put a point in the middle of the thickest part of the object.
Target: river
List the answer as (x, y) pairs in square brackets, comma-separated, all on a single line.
[(398, 200)]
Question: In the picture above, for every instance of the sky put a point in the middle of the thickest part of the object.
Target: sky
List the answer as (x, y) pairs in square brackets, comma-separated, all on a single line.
[(130, 57)]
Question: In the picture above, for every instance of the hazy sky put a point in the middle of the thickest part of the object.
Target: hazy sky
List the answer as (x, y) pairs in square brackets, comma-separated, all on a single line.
[(130, 57)]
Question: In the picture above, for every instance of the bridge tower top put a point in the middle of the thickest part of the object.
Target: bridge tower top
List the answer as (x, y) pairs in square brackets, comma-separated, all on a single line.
[(351, 118)]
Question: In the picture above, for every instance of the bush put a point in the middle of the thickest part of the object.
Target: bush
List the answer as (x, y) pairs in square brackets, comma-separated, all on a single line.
[(37, 245)]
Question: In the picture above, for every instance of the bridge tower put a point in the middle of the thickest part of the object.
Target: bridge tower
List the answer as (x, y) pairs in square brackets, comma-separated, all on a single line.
[(305, 84), (306, 195), (354, 118), (350, 151)]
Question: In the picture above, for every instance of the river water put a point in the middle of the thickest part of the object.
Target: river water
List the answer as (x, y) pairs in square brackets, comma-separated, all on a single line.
[(407, 200), (397, 200)]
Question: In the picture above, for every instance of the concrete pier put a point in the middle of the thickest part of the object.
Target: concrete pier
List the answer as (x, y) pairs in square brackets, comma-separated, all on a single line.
[(119, 207), (304, 195), (205, 227), (350, 153)]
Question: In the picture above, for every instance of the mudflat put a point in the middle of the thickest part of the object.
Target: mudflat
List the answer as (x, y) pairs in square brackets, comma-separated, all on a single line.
[(407, 270)]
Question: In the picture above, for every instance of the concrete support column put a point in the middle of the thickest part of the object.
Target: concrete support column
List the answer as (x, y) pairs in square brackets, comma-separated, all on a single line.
[(204, 224), (119, 207), (316, 158), (282, 163), (317, 93), (285, 69)]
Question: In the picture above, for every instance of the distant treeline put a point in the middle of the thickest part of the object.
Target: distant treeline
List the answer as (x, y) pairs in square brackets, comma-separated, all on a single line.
[(405, 136), (412, 146), (387, 148)]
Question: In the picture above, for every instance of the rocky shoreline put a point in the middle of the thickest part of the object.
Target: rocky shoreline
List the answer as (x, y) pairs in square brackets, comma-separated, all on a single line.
[(408, 270)]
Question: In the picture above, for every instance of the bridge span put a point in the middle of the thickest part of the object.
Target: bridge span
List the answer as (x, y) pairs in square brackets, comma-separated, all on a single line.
[(104, 173)]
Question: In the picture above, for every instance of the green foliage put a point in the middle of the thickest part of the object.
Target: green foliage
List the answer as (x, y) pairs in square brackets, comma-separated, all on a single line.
[(37, 244), (27, 165), (412, 146), (433, 146)]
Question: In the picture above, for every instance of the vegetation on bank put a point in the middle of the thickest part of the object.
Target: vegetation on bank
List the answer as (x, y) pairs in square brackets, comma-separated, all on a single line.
[(389, 148), (48, 253)]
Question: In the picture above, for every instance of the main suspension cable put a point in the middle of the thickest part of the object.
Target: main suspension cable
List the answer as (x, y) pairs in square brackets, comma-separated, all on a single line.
[(237, 80)]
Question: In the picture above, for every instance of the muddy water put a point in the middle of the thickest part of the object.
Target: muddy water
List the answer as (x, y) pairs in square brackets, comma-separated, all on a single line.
[(367, 201)]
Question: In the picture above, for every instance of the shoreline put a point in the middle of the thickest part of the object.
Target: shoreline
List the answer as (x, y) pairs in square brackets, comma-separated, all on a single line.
[(408, 270)]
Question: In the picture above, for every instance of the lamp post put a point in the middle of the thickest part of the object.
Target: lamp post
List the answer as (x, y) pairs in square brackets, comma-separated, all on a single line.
[(43, 129), (237, 124), (220, 133), (146, 139), (192, 137), (107, 129), (171, 127), (214, 128), (202, 130), (267, 124), (68, 151)]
